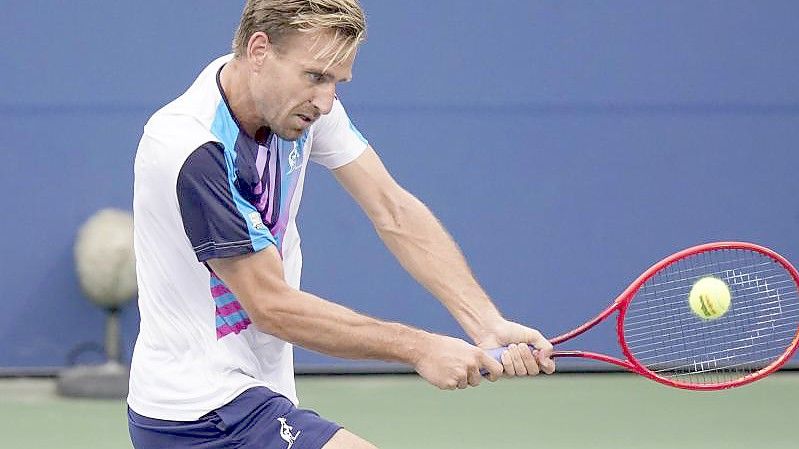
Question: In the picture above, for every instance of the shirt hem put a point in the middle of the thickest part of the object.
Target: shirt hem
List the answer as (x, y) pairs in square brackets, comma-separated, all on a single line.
[(174, 413)]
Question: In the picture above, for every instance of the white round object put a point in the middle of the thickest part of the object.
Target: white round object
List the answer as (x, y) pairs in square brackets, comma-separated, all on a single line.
[(104, 258)]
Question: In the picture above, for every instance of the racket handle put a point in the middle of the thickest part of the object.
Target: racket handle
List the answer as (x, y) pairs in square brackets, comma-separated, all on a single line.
[(496, 354)]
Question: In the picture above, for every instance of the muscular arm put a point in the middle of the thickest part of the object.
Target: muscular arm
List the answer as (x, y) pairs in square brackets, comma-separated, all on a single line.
[(296, 316), (323, 326), (425, 249), (419, 242)]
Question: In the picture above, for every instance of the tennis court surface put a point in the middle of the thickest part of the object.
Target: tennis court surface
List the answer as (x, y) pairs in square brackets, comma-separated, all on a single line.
[(402, 411)]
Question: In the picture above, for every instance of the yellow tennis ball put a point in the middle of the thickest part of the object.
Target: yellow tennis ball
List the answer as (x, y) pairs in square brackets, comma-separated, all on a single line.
[(709, 298)]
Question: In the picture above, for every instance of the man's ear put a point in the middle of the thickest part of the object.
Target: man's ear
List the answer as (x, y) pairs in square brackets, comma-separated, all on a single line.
[(259, 48)]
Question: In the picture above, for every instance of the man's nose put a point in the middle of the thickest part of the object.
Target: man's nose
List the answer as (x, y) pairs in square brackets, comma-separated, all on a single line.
[(323, 100)]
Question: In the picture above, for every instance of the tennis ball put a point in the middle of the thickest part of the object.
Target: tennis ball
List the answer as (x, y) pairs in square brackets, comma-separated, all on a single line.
[(709, 298)]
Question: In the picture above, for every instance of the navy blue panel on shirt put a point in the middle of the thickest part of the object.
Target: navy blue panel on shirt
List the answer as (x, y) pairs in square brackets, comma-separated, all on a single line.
[(211, 219)]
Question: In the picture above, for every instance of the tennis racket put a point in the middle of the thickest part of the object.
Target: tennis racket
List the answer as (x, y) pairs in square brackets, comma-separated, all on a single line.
[(664, 340)]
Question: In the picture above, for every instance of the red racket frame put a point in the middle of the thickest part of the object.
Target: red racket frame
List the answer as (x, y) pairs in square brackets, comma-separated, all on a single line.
[(623, 300)]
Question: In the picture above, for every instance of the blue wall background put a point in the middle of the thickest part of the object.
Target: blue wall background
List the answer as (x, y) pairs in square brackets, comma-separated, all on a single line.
[(566, 145)]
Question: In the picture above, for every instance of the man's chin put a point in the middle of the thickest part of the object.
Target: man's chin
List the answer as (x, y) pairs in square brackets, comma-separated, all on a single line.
[(289, 134)]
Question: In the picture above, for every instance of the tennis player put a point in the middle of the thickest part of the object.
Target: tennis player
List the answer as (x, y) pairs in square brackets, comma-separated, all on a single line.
[(218, 179)]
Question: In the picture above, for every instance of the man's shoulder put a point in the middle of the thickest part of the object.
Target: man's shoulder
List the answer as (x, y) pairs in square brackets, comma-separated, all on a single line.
[(170, 137), (193, 112), (185, 123), (177, 132)]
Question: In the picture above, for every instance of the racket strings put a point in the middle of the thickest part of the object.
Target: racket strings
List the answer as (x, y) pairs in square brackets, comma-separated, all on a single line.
[(641, 334), (664, 335)]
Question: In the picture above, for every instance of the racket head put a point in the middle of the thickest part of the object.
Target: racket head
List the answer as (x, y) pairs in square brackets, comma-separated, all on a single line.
[(665, 341)]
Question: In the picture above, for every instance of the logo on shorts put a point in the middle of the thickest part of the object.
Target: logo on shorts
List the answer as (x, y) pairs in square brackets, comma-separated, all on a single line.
[(285, 433)]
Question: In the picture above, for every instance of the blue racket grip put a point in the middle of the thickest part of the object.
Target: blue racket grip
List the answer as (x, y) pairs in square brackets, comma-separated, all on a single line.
[(496, 354)]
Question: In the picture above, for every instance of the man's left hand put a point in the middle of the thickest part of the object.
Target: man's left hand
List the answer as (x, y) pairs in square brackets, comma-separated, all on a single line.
[(519, 359)]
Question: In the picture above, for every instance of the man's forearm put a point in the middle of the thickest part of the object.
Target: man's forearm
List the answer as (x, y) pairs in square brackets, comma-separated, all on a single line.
[(302, 318), (427, 251), (332, 329)]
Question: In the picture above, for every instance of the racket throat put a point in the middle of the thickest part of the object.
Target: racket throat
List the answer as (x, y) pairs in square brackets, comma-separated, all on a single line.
[(595, 356)]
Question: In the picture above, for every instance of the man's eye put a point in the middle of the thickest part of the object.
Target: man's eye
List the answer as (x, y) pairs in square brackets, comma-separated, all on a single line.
[(316, 77)]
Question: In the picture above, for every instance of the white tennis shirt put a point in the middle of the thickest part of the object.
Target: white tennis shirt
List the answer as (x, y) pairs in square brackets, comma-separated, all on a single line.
[(204, 189)]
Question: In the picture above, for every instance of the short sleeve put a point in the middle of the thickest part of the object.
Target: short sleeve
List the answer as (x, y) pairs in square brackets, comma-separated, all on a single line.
[(336, 141), (217, 219)]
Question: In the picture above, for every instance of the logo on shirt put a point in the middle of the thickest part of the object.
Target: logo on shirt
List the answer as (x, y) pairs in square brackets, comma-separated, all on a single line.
[(285, 433), (257, 222), (294, 158)]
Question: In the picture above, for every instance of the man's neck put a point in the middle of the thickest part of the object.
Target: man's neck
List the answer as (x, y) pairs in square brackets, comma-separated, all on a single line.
[(235, 86)]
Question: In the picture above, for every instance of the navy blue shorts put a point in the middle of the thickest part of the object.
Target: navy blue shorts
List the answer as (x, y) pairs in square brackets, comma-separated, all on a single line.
[(258, 418)]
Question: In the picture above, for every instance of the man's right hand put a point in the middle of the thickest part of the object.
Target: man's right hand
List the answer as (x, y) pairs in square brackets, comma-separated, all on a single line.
[(450, 363)]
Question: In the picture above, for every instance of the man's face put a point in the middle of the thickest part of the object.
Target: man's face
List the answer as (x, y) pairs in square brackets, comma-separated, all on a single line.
[(290, 87)]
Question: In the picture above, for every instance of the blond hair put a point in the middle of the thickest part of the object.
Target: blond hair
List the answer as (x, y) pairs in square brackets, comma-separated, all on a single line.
[(277, 18)]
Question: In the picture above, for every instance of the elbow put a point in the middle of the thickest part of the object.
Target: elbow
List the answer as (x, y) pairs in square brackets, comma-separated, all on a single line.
[(270, 309), (392, 216), (389, 222)]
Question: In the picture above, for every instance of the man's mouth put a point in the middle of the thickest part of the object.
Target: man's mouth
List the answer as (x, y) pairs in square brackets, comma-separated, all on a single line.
[(307, 118)]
